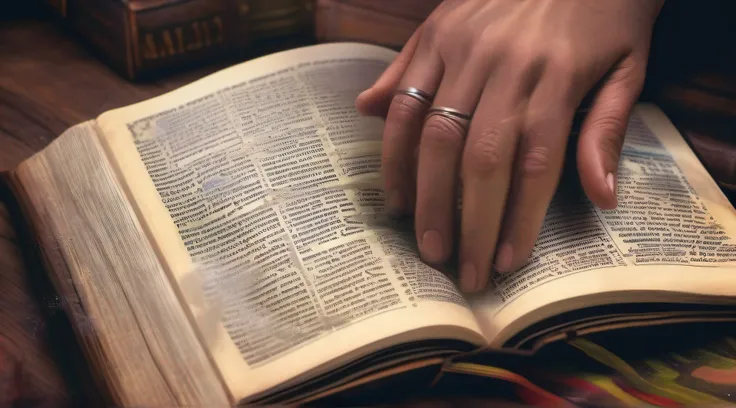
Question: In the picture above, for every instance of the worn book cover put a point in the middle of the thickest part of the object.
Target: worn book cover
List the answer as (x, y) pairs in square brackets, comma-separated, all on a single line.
[(145, 38)]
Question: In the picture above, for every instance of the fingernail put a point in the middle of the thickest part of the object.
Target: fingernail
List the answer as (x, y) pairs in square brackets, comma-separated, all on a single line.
[(504, 258), (611, 182), (468, 276), (432, 246), (395, 203)]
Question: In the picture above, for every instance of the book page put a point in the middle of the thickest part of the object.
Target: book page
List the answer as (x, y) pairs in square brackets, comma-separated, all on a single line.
[(672, 238), (261, 187)]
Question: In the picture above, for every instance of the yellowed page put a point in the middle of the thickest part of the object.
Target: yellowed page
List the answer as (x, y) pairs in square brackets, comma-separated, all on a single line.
[(259, 185), (672, 238)]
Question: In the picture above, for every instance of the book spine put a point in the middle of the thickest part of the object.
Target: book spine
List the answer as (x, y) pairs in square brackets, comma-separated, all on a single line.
[(278, 18), (184, 33), (141, 39)]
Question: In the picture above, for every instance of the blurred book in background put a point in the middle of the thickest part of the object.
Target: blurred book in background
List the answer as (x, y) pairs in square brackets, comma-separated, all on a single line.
[(143, 38), (389, 23)]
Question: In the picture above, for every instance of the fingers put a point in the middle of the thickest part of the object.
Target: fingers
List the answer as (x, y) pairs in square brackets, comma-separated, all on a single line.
[(603, 130), (536, 171), (541, 153), (375, 101), (440, 150), (402, 129), (486, 171)]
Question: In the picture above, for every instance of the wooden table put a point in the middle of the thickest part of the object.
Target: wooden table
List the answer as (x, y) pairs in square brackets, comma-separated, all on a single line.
[(47, 84)]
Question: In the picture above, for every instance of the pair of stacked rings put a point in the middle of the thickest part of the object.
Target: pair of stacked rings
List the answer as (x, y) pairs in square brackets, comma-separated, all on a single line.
[(425, 98)]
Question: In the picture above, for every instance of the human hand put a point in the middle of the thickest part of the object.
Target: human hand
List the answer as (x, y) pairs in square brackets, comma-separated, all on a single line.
[(522, 69)]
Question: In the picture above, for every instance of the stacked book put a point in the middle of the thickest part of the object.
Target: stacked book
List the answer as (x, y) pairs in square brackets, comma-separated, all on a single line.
[(143, 38)]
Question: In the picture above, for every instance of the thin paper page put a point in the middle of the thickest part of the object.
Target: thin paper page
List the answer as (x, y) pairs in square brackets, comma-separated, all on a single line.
[(260, 185), (673, 232)]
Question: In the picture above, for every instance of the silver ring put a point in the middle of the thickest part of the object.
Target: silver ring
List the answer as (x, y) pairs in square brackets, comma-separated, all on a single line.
[(449, 111), (463, 118), (417, 94)]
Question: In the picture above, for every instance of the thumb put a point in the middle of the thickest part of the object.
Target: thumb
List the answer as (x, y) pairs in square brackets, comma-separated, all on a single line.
[(603, 131), (376, 100)]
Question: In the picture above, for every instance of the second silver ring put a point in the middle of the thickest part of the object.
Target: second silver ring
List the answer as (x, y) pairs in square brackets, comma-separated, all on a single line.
[(417, 94), (462, 118)]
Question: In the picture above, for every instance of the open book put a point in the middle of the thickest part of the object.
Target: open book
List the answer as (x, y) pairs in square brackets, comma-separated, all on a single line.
[(225, 243)]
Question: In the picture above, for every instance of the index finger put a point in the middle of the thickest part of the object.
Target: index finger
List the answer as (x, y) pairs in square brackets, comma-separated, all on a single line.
[(403, 127), (375, 101)]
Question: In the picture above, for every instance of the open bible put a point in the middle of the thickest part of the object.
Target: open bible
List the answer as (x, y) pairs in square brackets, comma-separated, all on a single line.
[(226, 243)]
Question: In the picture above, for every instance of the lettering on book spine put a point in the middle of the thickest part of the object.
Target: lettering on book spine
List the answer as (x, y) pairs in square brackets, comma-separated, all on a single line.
[(182, 39)]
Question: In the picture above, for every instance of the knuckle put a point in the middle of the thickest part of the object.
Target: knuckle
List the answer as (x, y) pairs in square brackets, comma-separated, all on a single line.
[(481, 52), (610, 124), (563, 56), (442, 133), (569, 78), (484, 156), (405, 108), (430, 25), (627, 83), (445, 38), (466, 46), (630, 68), (492, 45), (564, 69), (535, 162), (523, 53), (489, 35), (610, 145), (430, 34), (438, 30)]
